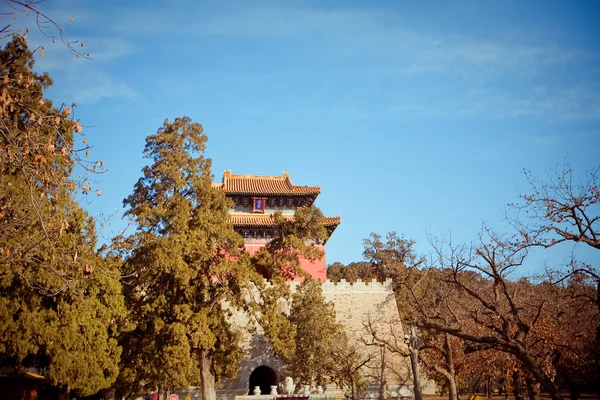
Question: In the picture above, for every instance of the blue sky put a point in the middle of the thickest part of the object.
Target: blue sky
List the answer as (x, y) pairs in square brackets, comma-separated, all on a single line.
[(415, 117)]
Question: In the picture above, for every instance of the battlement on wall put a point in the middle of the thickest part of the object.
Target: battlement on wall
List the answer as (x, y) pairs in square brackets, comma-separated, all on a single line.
[(343, 286), (372, 286)]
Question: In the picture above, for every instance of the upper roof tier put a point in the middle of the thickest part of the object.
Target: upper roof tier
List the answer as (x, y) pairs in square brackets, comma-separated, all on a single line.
[(263, 185)]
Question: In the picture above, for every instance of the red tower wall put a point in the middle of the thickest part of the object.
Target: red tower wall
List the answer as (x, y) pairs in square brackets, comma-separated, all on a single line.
[(317, 269)]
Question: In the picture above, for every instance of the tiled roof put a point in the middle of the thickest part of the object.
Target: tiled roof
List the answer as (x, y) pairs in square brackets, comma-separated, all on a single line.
[(256, 220), (263, 185)]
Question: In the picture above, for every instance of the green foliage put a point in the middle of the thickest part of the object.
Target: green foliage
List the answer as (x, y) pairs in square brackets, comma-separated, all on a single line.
[(296, 238), (279, 261), (60, 302), (363, 270), (186, 263), (35, 166), (392, 257), (278, 328), (323, 353), (317, 334), (389, 258), (349, 360)]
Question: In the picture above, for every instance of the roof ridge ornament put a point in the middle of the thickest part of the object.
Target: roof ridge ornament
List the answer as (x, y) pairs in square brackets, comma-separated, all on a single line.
[(260, 185), (226, 175), (287, 179)]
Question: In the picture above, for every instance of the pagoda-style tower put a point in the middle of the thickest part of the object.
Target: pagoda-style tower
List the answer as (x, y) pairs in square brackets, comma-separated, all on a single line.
[(257, 197)]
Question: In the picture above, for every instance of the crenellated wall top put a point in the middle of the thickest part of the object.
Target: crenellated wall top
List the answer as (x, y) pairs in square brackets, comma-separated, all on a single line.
[(358, 286)]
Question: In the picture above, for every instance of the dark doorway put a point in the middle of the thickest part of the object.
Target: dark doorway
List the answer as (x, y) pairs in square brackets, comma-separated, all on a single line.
[(264, 377)]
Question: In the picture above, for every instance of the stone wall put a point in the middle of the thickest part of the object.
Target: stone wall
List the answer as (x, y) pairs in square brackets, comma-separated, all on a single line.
[(360, 303), (355, 304)]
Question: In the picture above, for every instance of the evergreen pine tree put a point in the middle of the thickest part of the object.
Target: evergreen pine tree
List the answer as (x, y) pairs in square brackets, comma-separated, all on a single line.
[(187, 266), (60, 302)]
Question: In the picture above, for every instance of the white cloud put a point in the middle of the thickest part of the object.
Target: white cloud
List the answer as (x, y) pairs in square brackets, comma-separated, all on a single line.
[(237, 19), (90, 89), (106, 49), (91, 86)]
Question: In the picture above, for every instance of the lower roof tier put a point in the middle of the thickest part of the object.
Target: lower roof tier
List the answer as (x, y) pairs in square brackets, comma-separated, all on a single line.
[(266, 221)]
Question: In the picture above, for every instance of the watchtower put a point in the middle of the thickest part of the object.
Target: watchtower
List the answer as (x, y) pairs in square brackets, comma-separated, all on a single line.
[(257, 198)]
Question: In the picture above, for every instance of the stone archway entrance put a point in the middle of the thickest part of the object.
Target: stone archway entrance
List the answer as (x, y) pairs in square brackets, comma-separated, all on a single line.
[(264, 377)]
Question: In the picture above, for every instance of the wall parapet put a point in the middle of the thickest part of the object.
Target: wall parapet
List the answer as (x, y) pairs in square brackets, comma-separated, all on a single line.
[(358, 286), (372, 286)]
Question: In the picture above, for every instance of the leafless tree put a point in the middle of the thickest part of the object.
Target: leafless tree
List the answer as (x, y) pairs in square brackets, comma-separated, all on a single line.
[(486, 307), (46, 24)]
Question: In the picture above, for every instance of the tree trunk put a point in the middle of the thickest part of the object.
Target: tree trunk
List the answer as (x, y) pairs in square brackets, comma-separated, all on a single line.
[(353, 388), (532, 389), (505, 387), (488, 389), (547, 384), (207, 380), (414, 363), (382, 382), (474, 388), (574, 390), (63, 393), (597, 342), (453, 391), (108, 394), (517, 385), (450, 383)]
